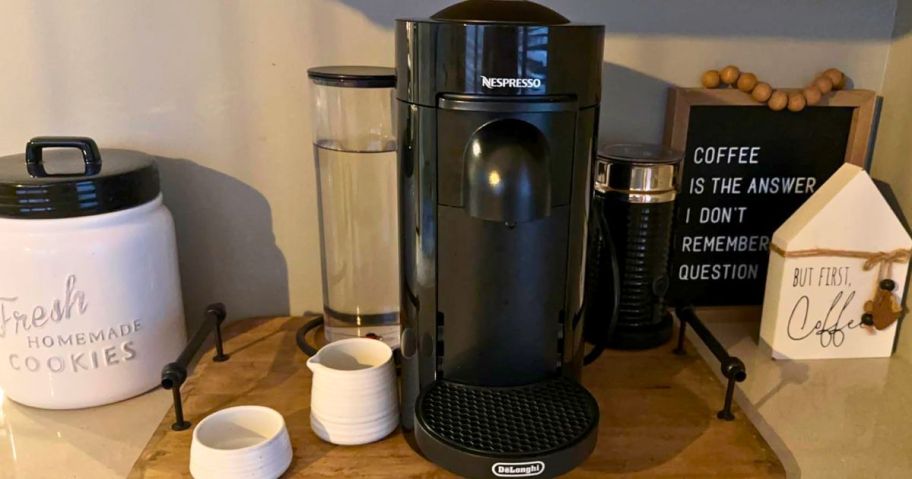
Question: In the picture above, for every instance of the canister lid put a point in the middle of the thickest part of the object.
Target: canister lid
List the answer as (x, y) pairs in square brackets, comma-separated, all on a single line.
[(353, 76), (500, 11), (47, 182)]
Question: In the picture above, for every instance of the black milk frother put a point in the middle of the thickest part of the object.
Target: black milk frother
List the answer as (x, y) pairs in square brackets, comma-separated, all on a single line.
[(627, 265)]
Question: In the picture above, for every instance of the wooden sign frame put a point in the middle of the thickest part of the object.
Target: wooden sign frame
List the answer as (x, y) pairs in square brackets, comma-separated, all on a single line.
[(677, 122), (680, 100)]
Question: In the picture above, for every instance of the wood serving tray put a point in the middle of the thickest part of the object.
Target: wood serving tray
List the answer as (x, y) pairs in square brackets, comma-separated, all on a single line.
[(658, 416)]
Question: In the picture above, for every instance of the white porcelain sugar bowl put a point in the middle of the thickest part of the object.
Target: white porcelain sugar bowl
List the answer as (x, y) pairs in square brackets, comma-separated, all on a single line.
[(90, 302)]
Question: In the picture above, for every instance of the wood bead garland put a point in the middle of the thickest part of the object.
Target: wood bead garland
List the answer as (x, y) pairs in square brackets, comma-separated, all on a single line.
[(711, 79), (778, 100), (812, 95), (837, 77), (730, 74), (827, 82), (747, 82), (762, 92), (824, 84), (796, 102)]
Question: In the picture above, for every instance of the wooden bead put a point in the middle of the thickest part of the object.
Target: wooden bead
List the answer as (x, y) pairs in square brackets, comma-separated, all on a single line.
[(796, 102), (812, 95), (835, 76), (730, 75), (778, 100), (824, 84), (711, 79), (747, 82), (841, 85), (762, 92)]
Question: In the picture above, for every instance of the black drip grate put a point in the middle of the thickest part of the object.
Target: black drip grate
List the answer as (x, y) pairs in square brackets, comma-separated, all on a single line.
[(525, 420)]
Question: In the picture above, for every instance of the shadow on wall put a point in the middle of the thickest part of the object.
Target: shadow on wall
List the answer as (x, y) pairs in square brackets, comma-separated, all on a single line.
[(626, 93), (223, 226), (632, 102), (697, 18)]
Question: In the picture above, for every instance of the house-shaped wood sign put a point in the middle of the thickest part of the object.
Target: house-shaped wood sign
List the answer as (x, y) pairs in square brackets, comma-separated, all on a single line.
[(829, 263)]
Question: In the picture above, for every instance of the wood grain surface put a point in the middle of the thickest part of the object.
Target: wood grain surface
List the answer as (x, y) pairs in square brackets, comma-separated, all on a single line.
[(657, 416)]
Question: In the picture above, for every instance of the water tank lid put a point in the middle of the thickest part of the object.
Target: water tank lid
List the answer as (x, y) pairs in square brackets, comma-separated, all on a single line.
[(500, 11), (352, 76)]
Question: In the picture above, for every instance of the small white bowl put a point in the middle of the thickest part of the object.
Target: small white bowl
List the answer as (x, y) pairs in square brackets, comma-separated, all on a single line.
[(241, 442)]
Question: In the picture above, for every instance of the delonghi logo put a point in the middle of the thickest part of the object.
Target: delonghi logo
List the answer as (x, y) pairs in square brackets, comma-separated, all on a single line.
[(511, 82), (518, 469)]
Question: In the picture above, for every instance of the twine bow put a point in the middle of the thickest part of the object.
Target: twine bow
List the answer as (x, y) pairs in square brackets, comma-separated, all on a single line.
[(872, 259), (895, 256)]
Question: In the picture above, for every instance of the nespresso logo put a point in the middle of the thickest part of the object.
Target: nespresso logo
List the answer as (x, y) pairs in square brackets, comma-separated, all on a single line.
[(489, 82), (518, 469)]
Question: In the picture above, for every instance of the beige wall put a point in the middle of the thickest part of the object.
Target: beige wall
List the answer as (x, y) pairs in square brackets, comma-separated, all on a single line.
[(893, 152), (219, 88)]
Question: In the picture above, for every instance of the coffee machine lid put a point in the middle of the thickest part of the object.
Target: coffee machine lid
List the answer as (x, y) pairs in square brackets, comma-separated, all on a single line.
[(500, 11)]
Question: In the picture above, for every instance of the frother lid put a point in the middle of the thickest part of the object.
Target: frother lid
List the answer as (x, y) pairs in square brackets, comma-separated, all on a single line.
[(639, 153), (353, 76), (500, 11), (641, 173)]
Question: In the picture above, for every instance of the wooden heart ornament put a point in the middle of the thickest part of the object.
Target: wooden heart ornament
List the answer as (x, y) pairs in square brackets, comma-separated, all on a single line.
[(884, 309)]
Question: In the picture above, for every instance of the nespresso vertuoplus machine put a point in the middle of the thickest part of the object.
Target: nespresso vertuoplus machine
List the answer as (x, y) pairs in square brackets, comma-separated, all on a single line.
[(498, 106)]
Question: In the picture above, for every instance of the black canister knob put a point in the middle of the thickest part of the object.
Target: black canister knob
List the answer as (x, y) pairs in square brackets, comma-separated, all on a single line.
[(34, 153)]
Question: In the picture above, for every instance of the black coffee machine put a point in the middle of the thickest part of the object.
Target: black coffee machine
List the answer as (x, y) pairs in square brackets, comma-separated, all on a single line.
[(498, 108)]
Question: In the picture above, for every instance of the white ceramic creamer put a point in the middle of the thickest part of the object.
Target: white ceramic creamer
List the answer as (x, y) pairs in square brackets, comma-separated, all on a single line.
[(90, 302), (354, 397)]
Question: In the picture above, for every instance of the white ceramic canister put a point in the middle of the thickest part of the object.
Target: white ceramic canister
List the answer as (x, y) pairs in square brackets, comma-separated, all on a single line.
[(90, 302)]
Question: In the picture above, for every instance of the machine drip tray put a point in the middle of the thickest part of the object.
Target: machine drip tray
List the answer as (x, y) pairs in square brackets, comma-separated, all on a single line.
[(539, 430)]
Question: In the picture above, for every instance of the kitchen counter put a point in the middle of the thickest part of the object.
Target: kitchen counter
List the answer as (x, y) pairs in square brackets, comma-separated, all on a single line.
[(832, 418), (97, 443)]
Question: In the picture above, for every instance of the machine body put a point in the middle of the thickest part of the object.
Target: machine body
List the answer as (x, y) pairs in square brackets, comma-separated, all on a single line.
[(498, 104)]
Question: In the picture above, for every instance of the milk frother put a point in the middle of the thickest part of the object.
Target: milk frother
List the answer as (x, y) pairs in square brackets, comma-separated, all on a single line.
[(627, 269)]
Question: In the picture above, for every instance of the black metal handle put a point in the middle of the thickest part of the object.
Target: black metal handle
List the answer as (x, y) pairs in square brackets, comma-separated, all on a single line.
[(732, 368), (174, 374), (603, 232), (301, 336), (34, 158)]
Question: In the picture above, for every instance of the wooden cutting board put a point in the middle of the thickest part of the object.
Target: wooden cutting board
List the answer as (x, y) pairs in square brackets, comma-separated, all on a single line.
[(658, 416)]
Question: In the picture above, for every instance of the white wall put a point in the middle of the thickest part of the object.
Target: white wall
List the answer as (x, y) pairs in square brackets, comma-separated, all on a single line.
[(893, 153), (220, 88)]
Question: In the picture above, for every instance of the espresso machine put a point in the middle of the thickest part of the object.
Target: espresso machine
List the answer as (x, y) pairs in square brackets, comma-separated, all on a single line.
[(498, 103)]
